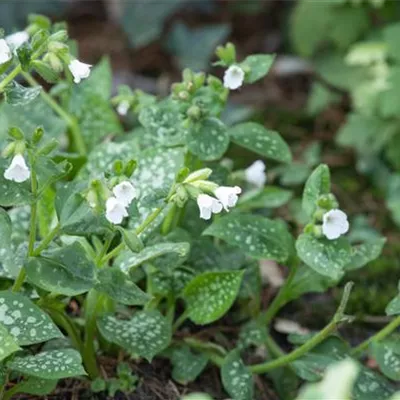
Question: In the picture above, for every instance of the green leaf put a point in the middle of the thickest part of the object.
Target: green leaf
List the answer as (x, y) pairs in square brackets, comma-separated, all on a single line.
[(208, 139), (37, 386), (5, 234), (393, 308), (327, 257), (8, 343), (257, 236), (26, 322), (128, 260), (53, 364), (258, 65), (236, 377), (366, 252), (187, 366), (387, 354), (391, 34), (371, 386), (268, 197), (265, 142), (317, 184), (18, 95), (120, 288), (146, 334), (253, 333), (210, 295)]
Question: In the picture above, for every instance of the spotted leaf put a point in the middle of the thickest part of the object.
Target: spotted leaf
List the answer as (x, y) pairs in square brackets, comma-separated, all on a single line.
[(387, 355), (366, 252), (8, 343), (210, 295), (258, 66)]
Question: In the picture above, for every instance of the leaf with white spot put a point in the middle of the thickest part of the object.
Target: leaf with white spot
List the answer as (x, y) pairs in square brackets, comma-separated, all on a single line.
[(37, 386), (254, 333), (129, 260), (327, 257), (26, 322), (393, 308), (258, 66), (208, 139), (366, 252), (371, 386), (146, 334), (236, 377), (52, 364), (318, 183), (187, 366), (5, 235), (265, 142), (269, 197), (210, 295), (119, 287), (387, 354), (66, 271), (18, 95), (257, 236), (8, 345)]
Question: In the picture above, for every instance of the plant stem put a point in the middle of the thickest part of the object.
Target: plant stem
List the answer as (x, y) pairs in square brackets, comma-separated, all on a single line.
[(47, 240), (181, 319), (10, 77), (387, 330), (311, 343), (32, 230), (69, 119), (280, 299), (169, 220), (104, 250)]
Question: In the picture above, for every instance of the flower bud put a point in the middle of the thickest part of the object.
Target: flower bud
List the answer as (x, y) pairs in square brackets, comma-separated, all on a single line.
[(118, 167), (199, 80), (9, 150), (318, 214), (59, 36), (317, 231), (55, 63), (201, 174), (309, 228), (16, 133), (37, 135), (130, 168), (182, 174), (194, 112), (183, 95), (181, 196), (327, 201), (20, 147), (205, 186), (131, 240)]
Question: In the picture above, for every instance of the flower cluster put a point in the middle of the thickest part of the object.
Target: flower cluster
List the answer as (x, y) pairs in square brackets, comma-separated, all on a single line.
[(116, 206)]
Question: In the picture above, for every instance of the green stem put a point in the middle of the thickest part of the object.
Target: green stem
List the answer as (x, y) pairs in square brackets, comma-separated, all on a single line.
[(8, 395), (310, 344), (387, 330), (181, 319), (280, 299), (47, 240), (32, 230), (104, 250), (10, 77), (69, 119), (273, 347), (168, 222)]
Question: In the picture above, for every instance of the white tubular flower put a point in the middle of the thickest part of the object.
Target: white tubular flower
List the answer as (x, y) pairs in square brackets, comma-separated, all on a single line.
[(115, 211), (123, 108), (125, 192), (233, 77), (334, 224), (208, 205), (18, 171), (5, 52), (17, 39), (79, 70), (255, 174), (228, 196)]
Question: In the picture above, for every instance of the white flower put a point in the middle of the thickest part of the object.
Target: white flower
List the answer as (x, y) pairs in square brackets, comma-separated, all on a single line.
[(5, 52), (334, 224), (208, 205), (125, 192), (228, 196), (18, 171), (17, 39), (233, 77), (79, 70), (115, 211), (123, 107), (255, 174)]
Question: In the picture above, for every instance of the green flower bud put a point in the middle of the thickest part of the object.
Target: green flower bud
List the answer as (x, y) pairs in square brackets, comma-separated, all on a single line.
[(131, 240), (193, 191), (182, 174), (309, 228), (319, 213), (54, 62), (181, 196), (184, 95), (199, 80), (16, 133), (118, 167), (205, 186), (20, 147), (37, 135), (327, 201), (9, 150), (194, 112), (130, 168), (201, 174), (317, 231), (59, 36)]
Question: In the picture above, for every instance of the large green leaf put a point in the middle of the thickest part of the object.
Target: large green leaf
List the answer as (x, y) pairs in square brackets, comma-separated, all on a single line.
[(365, 252), (37, 386), (327, 257), (391, 34), (8, 343), (262, 141), (146, 334), (52, 364), (26, 322), (387, 355), (210, 295), (208, 139), (257, 236), (236, 377), (17, 95)]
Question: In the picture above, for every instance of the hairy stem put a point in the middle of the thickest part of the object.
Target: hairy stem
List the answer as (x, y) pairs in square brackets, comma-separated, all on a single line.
[(47, 240), (9, 78)]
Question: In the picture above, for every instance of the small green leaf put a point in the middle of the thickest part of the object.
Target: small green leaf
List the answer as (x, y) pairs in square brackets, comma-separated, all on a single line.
[(317, 184), (146, 334), (254, 333), (8, 344), (387, 355), (390, 34), (265, 142), (257, 236), (26, 322), (187, 366), (52, 365), (268, 197), (119, 287), (258, 65), (366, 252), (208, 139), (236, 377), (37, 386), (393, 308), (210, 295), (18, 95), (327, 257)]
